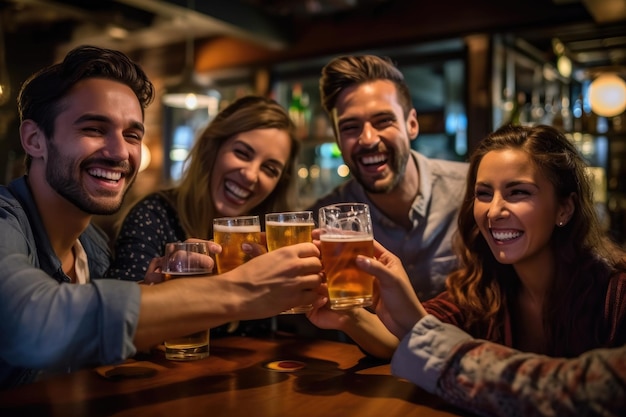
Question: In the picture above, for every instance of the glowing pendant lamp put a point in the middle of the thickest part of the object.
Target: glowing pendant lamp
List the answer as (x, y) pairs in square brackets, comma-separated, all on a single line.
[(607, 95), (188, 94)]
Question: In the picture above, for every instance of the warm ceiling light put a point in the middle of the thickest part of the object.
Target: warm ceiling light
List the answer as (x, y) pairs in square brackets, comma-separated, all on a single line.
[(564, 66), (188, 94), (607, 95)]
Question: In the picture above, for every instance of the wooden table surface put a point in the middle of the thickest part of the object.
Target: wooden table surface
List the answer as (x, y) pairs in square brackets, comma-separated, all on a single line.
[(236, 380)]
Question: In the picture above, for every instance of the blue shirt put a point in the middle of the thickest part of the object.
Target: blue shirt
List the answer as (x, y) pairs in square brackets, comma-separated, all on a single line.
[(45, 322), (426, 248)]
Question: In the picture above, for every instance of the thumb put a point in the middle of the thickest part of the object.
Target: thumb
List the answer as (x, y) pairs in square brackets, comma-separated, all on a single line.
[(377, 269)]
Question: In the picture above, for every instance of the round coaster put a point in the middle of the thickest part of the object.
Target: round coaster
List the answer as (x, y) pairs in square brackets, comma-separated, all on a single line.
[(285, 366)]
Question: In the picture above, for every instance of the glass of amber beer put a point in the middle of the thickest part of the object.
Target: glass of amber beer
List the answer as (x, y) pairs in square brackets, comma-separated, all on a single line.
[(186, 259), (289, 228), (231, 233), (345, 232)]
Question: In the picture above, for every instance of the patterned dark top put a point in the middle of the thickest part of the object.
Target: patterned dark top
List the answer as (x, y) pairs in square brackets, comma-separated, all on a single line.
[(148, 227)]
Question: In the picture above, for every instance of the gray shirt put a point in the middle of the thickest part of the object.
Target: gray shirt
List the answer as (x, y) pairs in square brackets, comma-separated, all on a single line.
[(426, 248)]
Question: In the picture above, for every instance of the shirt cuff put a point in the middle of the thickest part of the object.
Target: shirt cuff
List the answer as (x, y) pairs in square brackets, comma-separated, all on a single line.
[(424, 352)]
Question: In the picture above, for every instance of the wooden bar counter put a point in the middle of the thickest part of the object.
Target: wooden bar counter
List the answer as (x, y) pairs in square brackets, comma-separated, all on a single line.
[(281, 376)]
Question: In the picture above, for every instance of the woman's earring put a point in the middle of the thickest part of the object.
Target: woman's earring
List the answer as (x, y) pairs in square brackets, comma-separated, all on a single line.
[(560, 224)]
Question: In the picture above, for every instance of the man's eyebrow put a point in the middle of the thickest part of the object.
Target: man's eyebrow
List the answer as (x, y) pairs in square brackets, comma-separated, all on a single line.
[(385, 113), (90, 117)]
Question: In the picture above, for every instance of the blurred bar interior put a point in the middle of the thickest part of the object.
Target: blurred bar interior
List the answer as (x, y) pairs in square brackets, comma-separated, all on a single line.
[(471, 65)]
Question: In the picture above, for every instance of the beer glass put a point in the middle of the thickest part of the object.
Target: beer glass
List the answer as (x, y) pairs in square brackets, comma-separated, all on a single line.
[(186, 259), (231, 233), (289, 228), (345, 232)]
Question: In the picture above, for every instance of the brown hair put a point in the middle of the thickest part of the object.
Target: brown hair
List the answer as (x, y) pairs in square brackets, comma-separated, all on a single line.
[(346, 71), (584, 257), (41, 93), (191, 197)]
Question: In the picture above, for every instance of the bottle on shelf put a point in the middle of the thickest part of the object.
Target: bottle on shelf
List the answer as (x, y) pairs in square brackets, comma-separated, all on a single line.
[(299, 110)]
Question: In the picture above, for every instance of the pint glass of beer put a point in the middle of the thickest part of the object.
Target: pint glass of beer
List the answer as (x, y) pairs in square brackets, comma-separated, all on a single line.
[(289, 228), (231, 233), (186, 259), (345, 232)]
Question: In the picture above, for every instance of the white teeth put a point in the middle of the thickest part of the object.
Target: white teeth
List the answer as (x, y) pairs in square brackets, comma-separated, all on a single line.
[(109, 175), (375, 159), (505, 235), (237, 190)]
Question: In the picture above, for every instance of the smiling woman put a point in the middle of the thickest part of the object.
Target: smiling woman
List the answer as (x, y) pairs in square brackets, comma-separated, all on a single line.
[(241, 164), (533, 251), (536, 272)]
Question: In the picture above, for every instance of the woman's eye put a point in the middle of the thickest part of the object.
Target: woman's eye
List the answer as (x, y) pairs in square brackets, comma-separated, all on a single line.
[(272, 171), (482, 195), (242, 154), (518, 194)]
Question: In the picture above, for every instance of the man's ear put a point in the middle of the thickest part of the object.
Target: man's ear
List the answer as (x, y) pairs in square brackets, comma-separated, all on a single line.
[(412, 126), (33, 139)]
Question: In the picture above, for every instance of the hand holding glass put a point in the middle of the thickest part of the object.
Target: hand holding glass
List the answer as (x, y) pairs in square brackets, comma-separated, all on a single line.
[(289, 228), (186, 259), (345, 232)]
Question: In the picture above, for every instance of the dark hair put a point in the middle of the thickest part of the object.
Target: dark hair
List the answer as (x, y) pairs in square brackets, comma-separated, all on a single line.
[(585, 258), (346, 71), (194, 205), (41, 93)]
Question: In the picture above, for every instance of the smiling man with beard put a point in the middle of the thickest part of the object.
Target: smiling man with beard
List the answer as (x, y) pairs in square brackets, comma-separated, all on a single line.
[(414, 200), (82, 124)]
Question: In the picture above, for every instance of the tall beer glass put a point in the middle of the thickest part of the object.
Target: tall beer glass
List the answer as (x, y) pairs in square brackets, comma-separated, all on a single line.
[(187, 259), (289, 228), (231, 233), (345, 232)]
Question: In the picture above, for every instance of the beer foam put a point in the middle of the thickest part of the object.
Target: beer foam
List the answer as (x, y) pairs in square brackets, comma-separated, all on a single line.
[(329, 237), (236, 229), (288, 223)]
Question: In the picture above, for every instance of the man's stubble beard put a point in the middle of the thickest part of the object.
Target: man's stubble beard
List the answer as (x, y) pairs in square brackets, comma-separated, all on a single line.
[(71, 189), (398, 176)]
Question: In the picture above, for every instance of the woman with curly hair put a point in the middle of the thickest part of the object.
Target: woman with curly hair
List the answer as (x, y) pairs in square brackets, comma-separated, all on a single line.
[(536, 273)]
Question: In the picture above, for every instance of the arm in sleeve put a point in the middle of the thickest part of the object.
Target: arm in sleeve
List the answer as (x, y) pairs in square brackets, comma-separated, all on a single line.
[(47, 325), (494, 380)]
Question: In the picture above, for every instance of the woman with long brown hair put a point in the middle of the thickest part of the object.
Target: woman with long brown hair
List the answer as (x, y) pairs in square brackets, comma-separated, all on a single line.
[(537, 272), (241, 164)]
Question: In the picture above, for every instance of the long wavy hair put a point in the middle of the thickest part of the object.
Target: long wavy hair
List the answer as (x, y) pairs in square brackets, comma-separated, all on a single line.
[(584, 257), (191, 195)]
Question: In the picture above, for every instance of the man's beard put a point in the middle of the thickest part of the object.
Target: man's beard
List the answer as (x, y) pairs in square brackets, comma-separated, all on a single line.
[(398, 170), (59, 174)]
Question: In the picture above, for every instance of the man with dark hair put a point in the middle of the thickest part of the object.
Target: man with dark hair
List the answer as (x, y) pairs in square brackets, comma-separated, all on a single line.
[(82, 128), (414, 200)]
